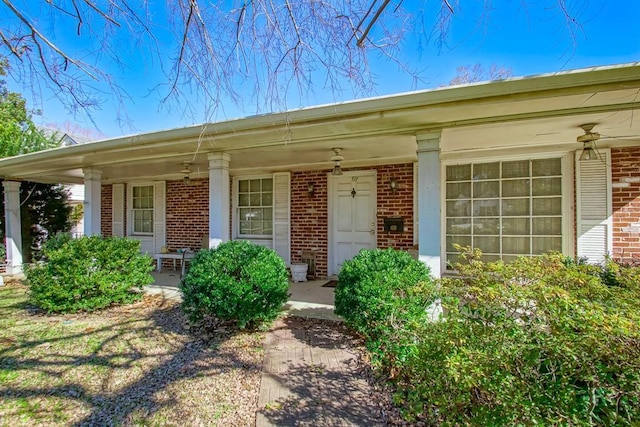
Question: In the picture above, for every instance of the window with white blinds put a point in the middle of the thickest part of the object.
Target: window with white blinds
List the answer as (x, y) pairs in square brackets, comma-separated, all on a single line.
[(505, 208)]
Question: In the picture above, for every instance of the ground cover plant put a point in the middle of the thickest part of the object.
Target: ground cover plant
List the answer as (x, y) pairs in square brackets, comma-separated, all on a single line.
[(540, 341), (237, 281), (88, 273), (131, 365)]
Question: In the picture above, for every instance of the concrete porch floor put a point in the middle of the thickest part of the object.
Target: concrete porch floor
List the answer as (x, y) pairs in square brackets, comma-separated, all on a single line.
[(307, 299)]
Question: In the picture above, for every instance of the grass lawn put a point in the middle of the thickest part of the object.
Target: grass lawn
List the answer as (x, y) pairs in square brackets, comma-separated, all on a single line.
[(133, 365)]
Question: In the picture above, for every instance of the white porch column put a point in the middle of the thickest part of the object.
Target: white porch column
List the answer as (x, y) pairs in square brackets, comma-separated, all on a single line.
[(92, 200), (219, 197), (429, 200), (12, 226)]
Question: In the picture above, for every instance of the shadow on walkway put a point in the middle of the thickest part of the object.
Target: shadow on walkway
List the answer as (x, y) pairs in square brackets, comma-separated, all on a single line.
[(312, 375)]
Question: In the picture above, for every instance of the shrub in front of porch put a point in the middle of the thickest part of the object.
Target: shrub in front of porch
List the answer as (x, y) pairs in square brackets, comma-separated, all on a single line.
[(539, 341), (237, 281), (88, 273), (382, 294)]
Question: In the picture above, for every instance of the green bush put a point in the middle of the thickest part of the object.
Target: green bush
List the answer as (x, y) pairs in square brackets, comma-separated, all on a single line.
[(383, 294), (89, 273), (56, 241), (540, 341), (237, 281)]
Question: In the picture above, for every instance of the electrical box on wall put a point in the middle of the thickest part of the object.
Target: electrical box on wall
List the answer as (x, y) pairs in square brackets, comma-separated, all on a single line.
[(394, 225)]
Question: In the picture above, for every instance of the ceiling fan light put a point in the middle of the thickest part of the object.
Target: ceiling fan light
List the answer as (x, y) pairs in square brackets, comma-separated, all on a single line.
[(337, 170), (186, 171), (588, 153)]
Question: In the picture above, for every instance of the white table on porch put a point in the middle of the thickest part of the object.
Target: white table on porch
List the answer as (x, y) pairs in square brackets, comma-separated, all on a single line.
[(183, 257)]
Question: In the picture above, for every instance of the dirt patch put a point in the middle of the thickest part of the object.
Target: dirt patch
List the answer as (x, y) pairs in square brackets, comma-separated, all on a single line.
[(133, 365)]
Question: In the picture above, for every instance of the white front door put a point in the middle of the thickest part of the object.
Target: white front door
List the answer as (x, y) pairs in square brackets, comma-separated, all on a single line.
[(353, 216)]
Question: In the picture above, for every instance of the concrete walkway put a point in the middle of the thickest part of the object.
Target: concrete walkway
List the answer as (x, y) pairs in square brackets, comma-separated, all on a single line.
[(311, 376)]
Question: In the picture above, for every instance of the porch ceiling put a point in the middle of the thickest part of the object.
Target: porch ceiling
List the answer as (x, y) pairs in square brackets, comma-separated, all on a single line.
[(536, 113)]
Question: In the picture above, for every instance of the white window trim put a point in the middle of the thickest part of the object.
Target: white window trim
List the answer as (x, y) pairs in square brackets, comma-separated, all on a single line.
[(567, 175), (130, 185), (235, 221)]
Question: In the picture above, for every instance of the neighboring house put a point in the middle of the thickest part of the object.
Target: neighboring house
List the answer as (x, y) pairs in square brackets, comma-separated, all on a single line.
[(493, 165)]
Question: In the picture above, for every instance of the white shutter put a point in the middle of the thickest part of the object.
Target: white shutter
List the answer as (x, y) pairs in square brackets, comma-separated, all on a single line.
[(159, 216), (281, 215), (117, 210), (593, 184)]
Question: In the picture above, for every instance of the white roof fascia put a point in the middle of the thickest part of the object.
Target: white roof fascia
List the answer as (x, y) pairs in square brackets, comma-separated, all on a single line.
[(555, 82)]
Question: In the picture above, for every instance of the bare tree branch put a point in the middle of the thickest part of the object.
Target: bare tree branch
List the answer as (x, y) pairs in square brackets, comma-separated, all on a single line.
[(210, 51)]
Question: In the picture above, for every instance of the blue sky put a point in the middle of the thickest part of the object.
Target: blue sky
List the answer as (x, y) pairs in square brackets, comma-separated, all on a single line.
[(528, 41)]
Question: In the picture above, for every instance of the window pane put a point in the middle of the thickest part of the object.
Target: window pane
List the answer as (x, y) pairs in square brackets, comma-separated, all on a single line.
[(244, 214), (254, 199), (460, 240), (245, 227), (243, 186), (486, 226), (458, 226), (486, 171), (267, 213), (516, 245), (267, 185), (547, 187), (267, 227), (549, 226), (136, 191), (511, 258), (487, 244), (267, 199), (254, 185), (453, 258), (460, 190), (486, 189), (546, 167), (546, 244), (459, 208), (515, 188), (136, 203), (243, 200), (547, 206), (515, 169), (486, 207), (515, 207), (459, 173), (490, 258), (515, 226)]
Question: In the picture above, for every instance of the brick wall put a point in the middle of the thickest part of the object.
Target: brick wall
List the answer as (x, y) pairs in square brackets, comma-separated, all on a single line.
[(309, 215), (106, 209), (309, 218), (399, 204), (187, 213), (625, 163)]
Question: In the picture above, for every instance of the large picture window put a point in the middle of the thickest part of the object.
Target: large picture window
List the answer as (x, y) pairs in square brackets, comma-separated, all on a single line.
[(142, 209), (255, 207), (506, 209)]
